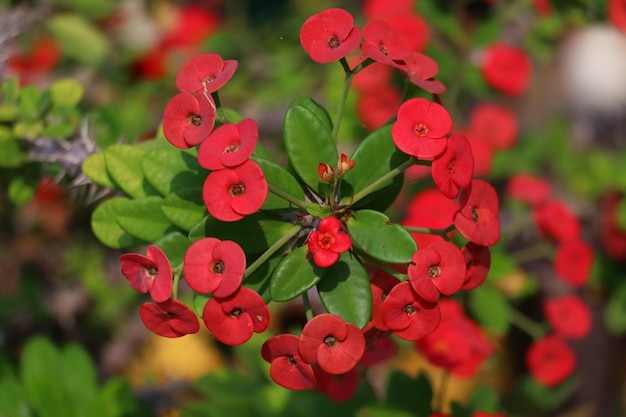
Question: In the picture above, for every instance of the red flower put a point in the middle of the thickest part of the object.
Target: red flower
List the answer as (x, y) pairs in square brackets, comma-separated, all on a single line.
[(326, 172), (43, 56), (188, 119), (381, 284), (483, 154), (214, 266), (151, 273), (329, 35), (374, 77), (453, 169), (233, 319), (568, 315), (381, 9), (477, 260), (617, 13), (193, 25), (344, 165), (328, 242), (287, 368), (375, 108), (170, 318), (573, 262), (457, 345), (550, 361), (379, 347), (612, 237), (529, 189), (506, 68), (408, 315), (205, 73), (429, 208), (384, 44), (231, 194), (486, 414), (421, 128), (477, 219), (413, 27), (494, 124), (331, 343), (439, 268), (339, 388), (229, 145), (555, 220)]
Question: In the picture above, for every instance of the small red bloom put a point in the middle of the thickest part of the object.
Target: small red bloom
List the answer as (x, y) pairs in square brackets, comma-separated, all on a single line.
[(550, 361), (326, 172), (408, 315), (170, 318), (453, 169), (214, 266), (205, 73), (188, 119), (384, 44), (375, 108), (231, 194), (151, 273), (477, 218), (568, 315), (344, 165), (233, 319), (229, 145), (506, 68), (333, 344), (421, 128), (555, 220), (287, 368), (328, 242), (529, 189), (329, 35), (477, 260), (340, 388), (438, 268), (43, 56), (573, 262), (617, 13), (420, 70), (494, 124), (193, 25)]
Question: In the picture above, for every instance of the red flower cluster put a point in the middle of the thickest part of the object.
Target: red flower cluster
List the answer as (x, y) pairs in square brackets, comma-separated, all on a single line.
[(327, 242)]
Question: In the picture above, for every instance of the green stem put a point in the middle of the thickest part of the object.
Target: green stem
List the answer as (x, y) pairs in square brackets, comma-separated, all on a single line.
[(529, 326), (285, 196), (530, 253), (428, 230), (443, 386), (219, 110), (381, 181), (307, 306), (342, 101), (177, 275), (272, 250)]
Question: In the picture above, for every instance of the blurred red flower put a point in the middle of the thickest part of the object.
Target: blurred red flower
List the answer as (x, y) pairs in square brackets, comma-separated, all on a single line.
[(494, 124), (329, 35), (529, 189), (573, 261), (151, 273), (286, 367), (506, 68), (612, 237), (375, 108), (171, 318), (550, 361), (429, 208), (340, 388), (568, 315), (617, 13), (555, 220)]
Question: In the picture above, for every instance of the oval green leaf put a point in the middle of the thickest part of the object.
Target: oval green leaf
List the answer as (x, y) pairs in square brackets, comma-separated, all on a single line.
[(184, 208), (174, 245), (294, 275), (490, 308), (123, 163), (280, 179), (144, 219), (78, 38), (94, 167), (66, 92), (107, 229), (374, 233), (170, 169)]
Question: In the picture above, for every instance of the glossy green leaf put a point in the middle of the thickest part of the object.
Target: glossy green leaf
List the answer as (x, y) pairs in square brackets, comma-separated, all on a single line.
[(94, 167), (316, 210), (294, 275), (374, 157), (31, 102), (308, 141), (490, 308), (260, 279), (174, 245), (283, 181), (185, 208), (484, 398), (78, 38), (79, 379), (107, 229), (13, 398), (345, 290), (123, 163), (199, 301), (66, 92), (170, 169), (401, 386), (144, 219), (377, 236), (254, 233)]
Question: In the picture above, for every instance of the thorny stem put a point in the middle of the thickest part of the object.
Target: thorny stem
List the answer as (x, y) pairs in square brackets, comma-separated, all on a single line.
[(287, 197), (381, 181), (307, 306), (272, 250)]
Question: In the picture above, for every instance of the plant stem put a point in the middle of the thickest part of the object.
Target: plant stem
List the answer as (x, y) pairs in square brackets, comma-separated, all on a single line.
[(307, 306), (523, 322), (177, 275), (219, 110), (342, 101), (381, 181), (287, 197), (443, 386), (428, 230), (530, 253), (272, 250)]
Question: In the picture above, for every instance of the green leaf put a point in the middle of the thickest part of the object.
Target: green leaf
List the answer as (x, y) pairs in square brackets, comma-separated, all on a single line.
[(491, 308), (174, 245), (79, 379), (374, 233), (345, 290), (92, 9), (375, 157), (260, 279), (282, 180), (484, 398), (123, 163), (199, 301), (107, 229), (379, 410), (13, 398), (615, 311), (316, 210), (31, 103), (254, 233), (530, 394), (308, 141), (294, 275), (94, 167), (12, 155), (144, 219), (400, 386), (78, 38), (66, 92), (27, 129), (185, 208), (170, 169), (21, 190)]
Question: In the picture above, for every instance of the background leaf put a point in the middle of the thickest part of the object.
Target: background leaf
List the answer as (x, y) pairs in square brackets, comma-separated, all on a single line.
[(294, 275), (78, 38), (123, 163), (490, 308), (107, 229), (144, 219)]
